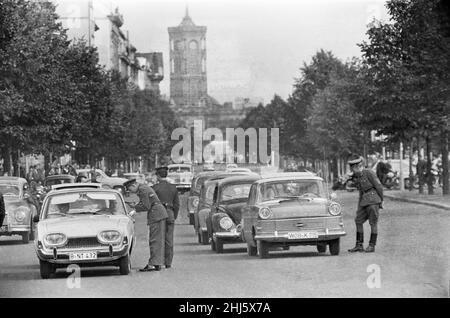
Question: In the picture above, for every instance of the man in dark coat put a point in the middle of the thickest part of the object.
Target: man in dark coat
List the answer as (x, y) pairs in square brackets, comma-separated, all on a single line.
[(370, 201), (168, 195), (2, 209), (156, 221)]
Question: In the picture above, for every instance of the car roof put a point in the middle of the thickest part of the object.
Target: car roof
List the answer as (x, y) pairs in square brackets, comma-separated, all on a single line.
[(239, 179), (76, 186), (179, 165), (10, 179), (281, 176), (80, 189)]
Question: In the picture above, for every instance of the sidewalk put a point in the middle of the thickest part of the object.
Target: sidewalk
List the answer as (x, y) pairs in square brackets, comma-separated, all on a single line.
[(436, 200)]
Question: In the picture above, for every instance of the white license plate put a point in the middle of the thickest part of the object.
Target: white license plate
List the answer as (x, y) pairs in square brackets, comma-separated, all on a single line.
[(302, 235), (4, 228), (81, 256)]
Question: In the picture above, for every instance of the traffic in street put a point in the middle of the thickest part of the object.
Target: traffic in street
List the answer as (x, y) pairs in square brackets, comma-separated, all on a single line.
[(411, 261)]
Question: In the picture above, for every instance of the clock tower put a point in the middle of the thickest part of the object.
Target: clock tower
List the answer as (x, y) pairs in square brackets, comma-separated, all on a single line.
[(188, 84)]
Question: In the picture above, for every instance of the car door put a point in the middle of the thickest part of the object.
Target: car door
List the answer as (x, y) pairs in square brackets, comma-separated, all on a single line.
[(246, 213)]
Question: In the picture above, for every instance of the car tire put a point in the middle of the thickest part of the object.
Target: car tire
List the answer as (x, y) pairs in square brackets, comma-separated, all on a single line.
[(219, 246), (46, 269), (205, 238), (213, 245), (321, 248), (125, 265), (286, 248), (199, 238), (26, 237), (334, 246), (251, 250), (191, 219), (31, 231), (263, 249)]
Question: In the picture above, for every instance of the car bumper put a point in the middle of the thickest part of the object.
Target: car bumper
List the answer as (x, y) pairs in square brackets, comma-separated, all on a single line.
[(228, 236), (104, 255), (12, 229), (183, 186), (283, 236)]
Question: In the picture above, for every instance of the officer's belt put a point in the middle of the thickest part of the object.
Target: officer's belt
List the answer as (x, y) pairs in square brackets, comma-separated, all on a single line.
[(369, 190), (167, 205)]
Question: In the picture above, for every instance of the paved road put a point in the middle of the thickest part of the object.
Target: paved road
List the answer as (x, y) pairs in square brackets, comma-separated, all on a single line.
[(412, 259)]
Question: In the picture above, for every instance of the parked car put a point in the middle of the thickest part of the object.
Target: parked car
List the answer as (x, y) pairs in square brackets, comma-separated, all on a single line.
[(203, 208), (291, 209), (224, 221), (20, 208), (98, 175), (181, 176), (86, 226), (194, 193), (238, 170)]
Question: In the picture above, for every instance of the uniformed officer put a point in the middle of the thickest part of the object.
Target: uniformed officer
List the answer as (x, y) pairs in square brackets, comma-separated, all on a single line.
[(156, 221), (370, 201), (168, 195), (2, 209)]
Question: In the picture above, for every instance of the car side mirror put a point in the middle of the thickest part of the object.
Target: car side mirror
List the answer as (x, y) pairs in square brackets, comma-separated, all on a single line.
[(36, 218), (333, 196), (132, 212)]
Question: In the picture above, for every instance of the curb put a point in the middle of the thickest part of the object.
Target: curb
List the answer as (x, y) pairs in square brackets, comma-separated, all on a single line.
[(432, 204)]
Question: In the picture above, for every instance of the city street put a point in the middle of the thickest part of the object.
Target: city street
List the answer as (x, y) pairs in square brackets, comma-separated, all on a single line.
[(411, 259)]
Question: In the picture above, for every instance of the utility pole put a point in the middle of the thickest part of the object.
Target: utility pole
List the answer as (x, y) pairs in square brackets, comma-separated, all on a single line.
[(402, 185)]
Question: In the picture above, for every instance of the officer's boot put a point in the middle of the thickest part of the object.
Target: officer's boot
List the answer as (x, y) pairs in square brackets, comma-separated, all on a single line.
[(359, 243), (372, 243)]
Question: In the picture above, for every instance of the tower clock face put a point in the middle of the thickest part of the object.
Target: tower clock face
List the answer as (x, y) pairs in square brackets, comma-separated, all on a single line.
[(193, 45)]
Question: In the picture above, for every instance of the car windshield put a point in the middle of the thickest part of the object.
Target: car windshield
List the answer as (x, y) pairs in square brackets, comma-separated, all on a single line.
[(57, 181), (235, 191), (208, 192), (179, 169), (9, 189), (81, 203), (287, 189)]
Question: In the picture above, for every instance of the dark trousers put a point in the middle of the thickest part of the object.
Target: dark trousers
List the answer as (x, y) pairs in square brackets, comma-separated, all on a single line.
[(2, 217), (168, 256), (156, 240), (369, 212)]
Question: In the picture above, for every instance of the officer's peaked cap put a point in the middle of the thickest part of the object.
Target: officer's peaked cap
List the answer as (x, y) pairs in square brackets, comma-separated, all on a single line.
[(126, 184), (354, 160)]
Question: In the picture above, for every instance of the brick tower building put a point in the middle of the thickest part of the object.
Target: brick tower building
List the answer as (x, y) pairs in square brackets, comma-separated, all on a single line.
[(188, 83)]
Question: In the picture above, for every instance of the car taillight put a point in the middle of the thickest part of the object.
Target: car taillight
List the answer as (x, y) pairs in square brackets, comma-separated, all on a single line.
[(265, 213), (334, 208), (195, 202)]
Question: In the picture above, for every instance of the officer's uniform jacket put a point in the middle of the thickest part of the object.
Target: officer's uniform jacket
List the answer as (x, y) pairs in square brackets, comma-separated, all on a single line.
[(2, 205), (149, 202), (370, 188), (168, 195)]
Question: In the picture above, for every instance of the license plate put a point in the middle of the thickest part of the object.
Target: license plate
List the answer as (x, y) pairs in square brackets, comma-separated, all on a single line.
[(82, 256), (302, 235)]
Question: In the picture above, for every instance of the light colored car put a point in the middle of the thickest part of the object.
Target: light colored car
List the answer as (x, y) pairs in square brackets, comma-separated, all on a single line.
[(237, 169), (84, 226), (181, 176), (291, 209), (19, 206), (140, 177), (100, 176)]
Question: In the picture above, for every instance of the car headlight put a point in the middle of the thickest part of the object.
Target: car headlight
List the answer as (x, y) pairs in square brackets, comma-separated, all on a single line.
[(21, 213), (334, 208), (226, 223), (195, 202), (109, 237), (265, 213), (55, 240)]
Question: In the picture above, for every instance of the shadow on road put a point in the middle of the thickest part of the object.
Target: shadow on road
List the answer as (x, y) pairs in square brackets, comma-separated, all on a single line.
[(11, 242)]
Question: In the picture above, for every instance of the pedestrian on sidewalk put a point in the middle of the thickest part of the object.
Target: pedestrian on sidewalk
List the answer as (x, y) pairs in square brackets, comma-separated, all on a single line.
[(168, 195), (369, 203), (156, 221), (2, 210)]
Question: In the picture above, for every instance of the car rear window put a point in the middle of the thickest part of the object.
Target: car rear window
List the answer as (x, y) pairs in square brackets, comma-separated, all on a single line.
[(9, 189), (235, 192), (291, 188)]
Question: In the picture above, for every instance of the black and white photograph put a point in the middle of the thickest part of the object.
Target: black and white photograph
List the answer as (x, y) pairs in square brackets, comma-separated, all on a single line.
[(224, 153)]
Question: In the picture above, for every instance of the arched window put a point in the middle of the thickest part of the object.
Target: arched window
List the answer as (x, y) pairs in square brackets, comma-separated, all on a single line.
[(193, 45)]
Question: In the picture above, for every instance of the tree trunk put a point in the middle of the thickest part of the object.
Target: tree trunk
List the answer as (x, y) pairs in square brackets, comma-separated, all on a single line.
[(445, 163), (334, 168), (429, 175), (411, 173)]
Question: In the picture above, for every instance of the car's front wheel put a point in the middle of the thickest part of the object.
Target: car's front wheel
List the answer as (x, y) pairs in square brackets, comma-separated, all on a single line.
[(205, 238), (213, 245), (26, 237), (321, 248), (219, 245), (125, 265), (334, 246), (263, 249), (251, 250), (46, 269)]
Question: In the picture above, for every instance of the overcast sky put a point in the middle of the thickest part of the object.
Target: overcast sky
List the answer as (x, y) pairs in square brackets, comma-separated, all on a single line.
[(254, 47)]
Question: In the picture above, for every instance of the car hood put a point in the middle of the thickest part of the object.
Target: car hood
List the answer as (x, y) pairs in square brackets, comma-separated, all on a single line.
[(298, 208), (234, 210), (83, 226)]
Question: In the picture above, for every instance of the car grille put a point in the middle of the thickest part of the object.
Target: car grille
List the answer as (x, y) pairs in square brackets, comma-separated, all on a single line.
[(83, 242), (306, 224)]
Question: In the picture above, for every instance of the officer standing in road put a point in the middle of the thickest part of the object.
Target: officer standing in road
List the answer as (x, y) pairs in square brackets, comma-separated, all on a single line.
[(2, 209), (370, 201), (168, 195), (156, 221)]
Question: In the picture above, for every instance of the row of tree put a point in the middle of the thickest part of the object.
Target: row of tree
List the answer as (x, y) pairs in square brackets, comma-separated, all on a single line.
[(399, 87), (55, 97)]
